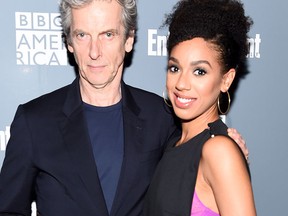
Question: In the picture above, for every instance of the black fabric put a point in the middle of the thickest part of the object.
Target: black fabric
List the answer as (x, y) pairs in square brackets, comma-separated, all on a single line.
[(50, 152), (172, 188)]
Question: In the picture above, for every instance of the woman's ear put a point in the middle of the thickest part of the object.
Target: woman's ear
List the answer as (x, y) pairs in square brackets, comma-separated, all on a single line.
[(228, 79)]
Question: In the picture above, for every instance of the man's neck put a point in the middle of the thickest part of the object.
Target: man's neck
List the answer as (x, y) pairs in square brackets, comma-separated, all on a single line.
[(107, 96)]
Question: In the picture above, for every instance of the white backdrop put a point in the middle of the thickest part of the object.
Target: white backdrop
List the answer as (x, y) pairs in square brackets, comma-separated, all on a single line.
[(33, 62)]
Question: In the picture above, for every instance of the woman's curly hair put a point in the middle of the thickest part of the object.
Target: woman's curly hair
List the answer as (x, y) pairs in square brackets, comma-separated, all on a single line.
[(221, 22)]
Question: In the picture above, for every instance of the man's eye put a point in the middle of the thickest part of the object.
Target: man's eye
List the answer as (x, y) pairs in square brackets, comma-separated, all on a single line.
[(81, 35), (200, 72), (109, 34)]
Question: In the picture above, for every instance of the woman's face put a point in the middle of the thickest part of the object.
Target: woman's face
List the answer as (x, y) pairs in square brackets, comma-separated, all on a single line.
[(195, 79)]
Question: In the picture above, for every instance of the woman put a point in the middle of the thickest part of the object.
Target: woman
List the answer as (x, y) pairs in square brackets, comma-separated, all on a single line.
[(203, 172)]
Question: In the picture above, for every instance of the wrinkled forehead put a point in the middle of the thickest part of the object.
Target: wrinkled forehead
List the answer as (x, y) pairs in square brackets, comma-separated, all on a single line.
[(100, 12)]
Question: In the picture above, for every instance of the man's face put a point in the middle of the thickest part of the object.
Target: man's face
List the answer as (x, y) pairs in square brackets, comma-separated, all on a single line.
[(98, 43)]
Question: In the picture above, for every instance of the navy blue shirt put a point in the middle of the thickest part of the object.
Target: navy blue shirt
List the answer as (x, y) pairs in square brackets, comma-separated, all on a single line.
[(105, 125)]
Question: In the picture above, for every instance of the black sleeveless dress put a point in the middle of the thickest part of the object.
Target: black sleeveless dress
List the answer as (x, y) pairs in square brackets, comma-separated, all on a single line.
[(172, 187)]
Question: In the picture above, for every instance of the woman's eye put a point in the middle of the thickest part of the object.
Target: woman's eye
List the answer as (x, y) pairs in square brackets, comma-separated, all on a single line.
[(173, 69), (199, 72)]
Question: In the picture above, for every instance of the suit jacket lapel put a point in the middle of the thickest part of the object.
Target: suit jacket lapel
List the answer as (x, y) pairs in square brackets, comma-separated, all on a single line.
[(133, 128), (77, 141)]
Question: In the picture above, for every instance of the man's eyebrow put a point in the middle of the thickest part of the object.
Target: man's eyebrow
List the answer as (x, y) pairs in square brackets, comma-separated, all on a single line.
[(76, 31), (116, 31)]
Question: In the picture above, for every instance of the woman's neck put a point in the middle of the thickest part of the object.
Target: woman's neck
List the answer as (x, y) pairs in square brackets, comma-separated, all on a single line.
[(193, 127)]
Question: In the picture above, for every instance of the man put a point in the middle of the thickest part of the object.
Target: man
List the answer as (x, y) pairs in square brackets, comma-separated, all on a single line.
[(91, 147)]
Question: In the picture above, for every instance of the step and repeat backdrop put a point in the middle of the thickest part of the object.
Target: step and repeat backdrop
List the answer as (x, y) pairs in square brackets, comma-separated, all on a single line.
[(34, 61)]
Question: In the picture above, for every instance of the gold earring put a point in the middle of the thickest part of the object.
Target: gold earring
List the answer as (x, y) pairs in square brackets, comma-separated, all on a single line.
[(166, 100), (228, 106)]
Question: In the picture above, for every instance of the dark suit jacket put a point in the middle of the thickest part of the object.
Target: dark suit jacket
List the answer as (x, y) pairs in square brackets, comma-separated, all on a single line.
[(49, 155)]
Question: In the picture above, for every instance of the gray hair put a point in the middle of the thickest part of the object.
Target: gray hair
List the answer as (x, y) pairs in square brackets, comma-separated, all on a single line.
[(129, 15)]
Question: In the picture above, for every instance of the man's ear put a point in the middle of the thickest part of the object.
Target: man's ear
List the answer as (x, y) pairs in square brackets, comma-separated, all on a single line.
[(228, 79), (130, 42), (70, 48)]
